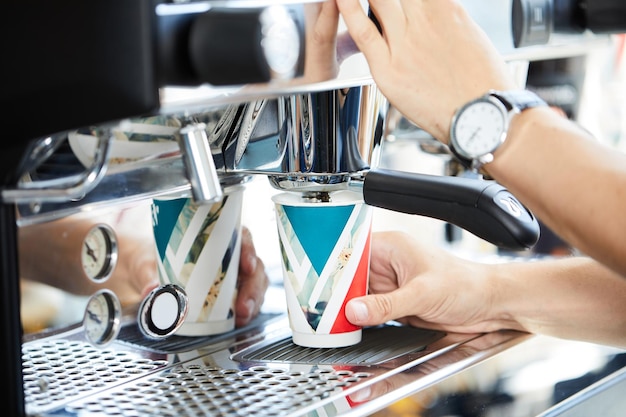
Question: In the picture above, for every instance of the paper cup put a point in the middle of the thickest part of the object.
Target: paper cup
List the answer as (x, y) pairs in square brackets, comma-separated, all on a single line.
[(198, 249), (325, 248)]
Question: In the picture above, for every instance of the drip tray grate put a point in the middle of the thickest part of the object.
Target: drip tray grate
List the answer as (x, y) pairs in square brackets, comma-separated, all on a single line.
[(379, 344), (198, 390), (131, 335)]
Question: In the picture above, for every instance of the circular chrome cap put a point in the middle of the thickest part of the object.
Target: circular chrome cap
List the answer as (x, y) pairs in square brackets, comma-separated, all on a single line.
[(163, 311)]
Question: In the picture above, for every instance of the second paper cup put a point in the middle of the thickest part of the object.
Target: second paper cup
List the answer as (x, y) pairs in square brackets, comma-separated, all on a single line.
[(198, 250)]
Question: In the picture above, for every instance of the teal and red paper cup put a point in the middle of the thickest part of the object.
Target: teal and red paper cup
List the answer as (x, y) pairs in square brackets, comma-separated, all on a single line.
[(198, 250), (325, 249)]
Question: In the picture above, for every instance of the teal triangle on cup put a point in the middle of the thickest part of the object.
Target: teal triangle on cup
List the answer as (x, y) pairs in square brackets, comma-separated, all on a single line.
[(309, 223), (164, 217)]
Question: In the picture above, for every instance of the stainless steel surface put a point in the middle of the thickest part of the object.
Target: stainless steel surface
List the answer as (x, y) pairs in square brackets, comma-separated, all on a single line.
[(494, 17), (603, 398), (66, 376), (273, 130), (164, 177), (332, 138), (63, 189), (307, 142), (293, 96)]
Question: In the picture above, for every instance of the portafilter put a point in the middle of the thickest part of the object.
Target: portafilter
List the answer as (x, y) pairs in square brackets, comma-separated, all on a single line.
[(322, 142)]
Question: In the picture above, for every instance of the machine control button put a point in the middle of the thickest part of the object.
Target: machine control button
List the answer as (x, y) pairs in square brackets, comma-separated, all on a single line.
[(162, 312), (532, 22)]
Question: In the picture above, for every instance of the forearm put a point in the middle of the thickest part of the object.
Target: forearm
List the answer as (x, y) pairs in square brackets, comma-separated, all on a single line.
[(573, 298), (573, 183), (50, 253)]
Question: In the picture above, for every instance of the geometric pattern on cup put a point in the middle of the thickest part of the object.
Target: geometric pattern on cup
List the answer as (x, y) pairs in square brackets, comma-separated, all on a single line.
[(316, 301), (202, 254)]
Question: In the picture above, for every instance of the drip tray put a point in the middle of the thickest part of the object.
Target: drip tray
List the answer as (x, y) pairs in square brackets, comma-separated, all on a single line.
[(379, 344), (130, 334)]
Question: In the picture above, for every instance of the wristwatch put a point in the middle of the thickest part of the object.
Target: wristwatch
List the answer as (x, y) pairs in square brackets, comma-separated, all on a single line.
[(480, 126)]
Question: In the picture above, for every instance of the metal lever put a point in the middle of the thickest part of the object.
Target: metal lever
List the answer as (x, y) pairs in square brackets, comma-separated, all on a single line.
[(199, 165), (70, 188)]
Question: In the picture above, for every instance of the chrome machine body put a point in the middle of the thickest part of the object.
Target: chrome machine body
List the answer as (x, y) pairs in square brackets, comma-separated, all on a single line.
[(234, 77)]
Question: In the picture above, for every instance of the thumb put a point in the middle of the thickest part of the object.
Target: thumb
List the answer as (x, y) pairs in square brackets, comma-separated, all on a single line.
[(373, 309)]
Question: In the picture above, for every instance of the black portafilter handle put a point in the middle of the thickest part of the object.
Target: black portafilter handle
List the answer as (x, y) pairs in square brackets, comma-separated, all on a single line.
[(482, 207)]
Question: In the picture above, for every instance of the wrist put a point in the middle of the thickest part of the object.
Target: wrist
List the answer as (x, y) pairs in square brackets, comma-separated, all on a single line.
[(519, 142), (504, 296)]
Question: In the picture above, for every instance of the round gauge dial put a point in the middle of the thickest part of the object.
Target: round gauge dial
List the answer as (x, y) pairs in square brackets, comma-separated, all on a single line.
[(103, 317), (99, 252)]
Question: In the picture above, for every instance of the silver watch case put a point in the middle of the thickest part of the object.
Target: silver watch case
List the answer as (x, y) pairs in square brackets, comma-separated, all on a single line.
[(508, 103), (477, 160)]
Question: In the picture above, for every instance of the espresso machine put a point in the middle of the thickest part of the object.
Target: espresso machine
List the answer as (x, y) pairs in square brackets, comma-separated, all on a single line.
[(244, 91)]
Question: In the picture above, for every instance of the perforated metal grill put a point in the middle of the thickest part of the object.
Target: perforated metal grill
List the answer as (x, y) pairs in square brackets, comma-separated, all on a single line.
[(58, 371), (198, 390), (81, 379), (270, 378)]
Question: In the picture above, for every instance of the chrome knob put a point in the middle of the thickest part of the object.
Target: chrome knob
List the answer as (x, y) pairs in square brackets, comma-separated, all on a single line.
[(162, 312)]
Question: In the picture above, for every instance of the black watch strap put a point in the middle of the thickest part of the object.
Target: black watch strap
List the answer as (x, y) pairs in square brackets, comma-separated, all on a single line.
[(519, 99)]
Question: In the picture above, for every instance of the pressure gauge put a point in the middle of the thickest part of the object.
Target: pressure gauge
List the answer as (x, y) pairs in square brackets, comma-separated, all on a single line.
[(103, 318), (99, 253)]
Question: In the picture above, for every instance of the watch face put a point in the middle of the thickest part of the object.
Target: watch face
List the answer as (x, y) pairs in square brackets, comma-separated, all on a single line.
[(102, 318), (479, 128), (99, 253)]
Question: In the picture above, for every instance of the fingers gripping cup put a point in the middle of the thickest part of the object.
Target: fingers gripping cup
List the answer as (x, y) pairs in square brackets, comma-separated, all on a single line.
[(325, 248), (198, 250)]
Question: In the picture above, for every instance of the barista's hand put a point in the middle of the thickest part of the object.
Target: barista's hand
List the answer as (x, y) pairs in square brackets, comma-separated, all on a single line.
[(253, 282), (416, 60), (426, 287)]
